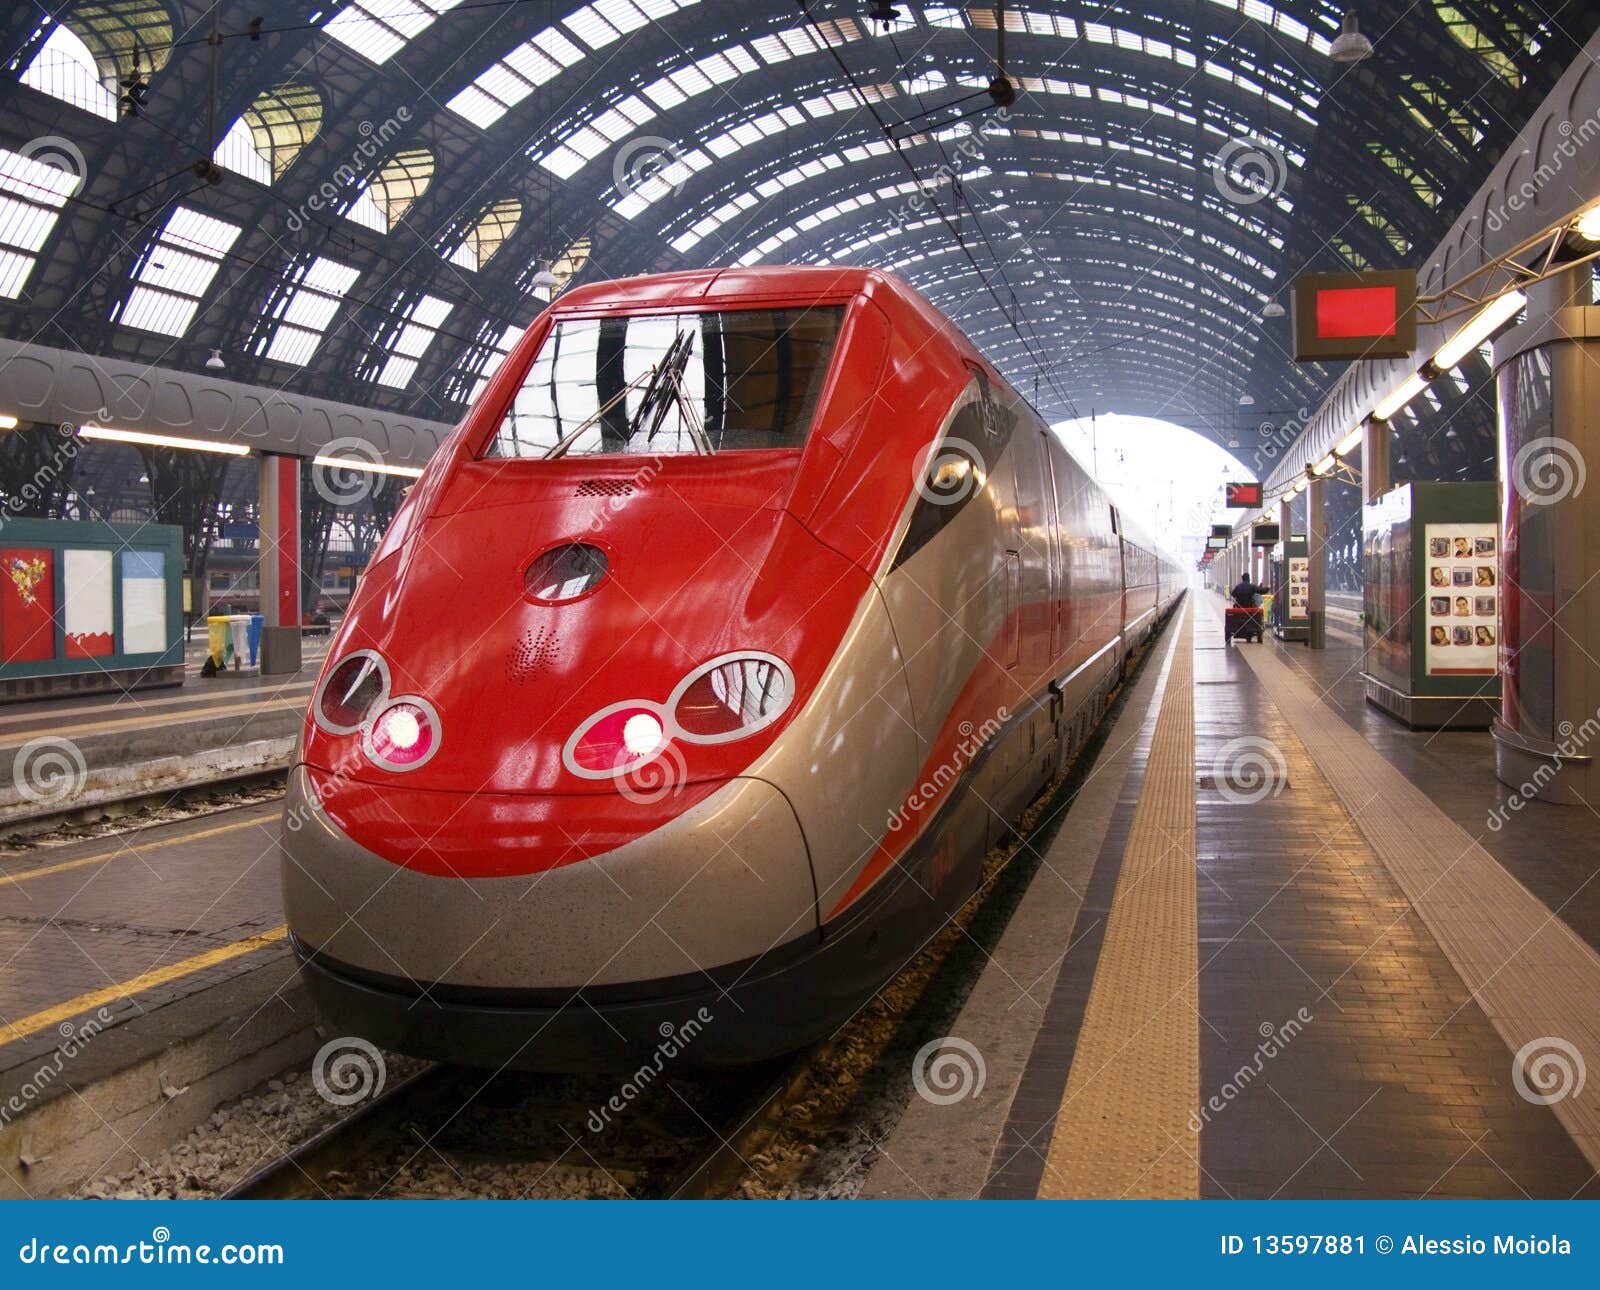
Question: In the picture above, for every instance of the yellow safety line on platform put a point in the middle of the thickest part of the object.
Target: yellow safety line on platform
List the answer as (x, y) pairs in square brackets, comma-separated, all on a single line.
[(164, 844), (11, 1031), (262, 692), (1535, 979), (9, 737), (1122, 1129)]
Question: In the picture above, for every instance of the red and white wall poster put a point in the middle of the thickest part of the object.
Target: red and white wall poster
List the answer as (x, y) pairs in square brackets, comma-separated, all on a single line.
[(87, 578)]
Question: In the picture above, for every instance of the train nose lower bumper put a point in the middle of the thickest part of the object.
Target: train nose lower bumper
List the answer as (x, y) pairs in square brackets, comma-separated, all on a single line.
[(517, 969)]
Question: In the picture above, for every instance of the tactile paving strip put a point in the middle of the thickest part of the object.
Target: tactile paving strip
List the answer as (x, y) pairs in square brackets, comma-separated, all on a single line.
[(1122, 1127), (1534, 978)]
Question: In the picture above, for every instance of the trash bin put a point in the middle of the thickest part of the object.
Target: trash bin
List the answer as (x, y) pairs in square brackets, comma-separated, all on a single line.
[(217, 639), (239, 638), (256, 622)]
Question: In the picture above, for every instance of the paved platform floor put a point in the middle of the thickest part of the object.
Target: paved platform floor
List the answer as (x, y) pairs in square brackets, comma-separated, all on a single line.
[(1272, 950), (1350, 984), (131, 923)]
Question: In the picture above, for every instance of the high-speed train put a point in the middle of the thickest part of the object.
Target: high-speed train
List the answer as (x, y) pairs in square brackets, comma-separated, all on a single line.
[(743, 612)]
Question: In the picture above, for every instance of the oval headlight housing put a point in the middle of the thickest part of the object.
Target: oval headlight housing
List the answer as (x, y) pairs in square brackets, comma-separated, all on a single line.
[(404, 735), (350, 692), (731, 697), (616, 739)]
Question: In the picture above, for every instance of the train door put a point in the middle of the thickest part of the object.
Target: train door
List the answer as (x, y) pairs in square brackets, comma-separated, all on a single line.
[(1052, 506), (1122, 569)]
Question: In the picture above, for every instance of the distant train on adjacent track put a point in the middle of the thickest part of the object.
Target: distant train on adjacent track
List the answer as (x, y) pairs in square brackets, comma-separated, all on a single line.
[(740, 616)]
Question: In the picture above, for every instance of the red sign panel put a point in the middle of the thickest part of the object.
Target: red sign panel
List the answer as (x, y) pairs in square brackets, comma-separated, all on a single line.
[(1246, 495), (1372, 314), (27, 606), (1345, 312)]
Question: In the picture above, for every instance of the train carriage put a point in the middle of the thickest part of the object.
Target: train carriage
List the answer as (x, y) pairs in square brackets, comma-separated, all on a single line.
[(741, 614)]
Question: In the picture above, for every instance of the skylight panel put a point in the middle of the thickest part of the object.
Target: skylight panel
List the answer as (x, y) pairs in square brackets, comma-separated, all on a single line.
[(380, 29), (498, 350), (422, 322), (589, 27), (65, 69), (307, 307), (175, 272), (31, 197)]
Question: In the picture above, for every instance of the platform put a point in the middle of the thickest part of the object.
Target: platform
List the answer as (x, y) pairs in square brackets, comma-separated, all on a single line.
[(1281, 946), (80, 751)]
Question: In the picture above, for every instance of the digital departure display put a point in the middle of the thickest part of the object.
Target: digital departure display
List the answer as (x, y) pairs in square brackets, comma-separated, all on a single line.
[(1355, 315), (1243, 495)]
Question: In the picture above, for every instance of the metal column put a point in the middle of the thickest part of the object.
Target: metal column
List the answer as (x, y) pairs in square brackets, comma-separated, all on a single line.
[(1375, 480), (1547, 376), (280, 564), (1317, 553)]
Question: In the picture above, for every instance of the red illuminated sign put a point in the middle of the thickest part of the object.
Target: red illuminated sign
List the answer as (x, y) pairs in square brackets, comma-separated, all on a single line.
[(1355, 311), (1244, 495), (1355, 315)]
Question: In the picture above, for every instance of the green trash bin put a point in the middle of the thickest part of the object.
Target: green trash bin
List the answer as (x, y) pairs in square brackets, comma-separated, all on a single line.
[(217, 642)]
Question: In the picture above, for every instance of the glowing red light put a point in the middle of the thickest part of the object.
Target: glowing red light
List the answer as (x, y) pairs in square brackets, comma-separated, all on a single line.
[(403, 736), (1350, 313)]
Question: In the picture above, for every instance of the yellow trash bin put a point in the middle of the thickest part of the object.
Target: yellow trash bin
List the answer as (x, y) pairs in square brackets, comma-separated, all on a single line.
[(217, 642)]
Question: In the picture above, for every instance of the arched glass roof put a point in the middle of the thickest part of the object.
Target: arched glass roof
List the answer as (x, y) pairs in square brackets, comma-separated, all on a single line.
[(1110, 237)]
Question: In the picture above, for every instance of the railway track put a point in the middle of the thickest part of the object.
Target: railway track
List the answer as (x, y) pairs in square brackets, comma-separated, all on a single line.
[(688, 1135), (427, 1116)]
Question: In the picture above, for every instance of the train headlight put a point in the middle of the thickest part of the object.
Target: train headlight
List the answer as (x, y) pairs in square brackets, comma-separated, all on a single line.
[(615, 739), (404, 735), (350, 692), (731, 697)]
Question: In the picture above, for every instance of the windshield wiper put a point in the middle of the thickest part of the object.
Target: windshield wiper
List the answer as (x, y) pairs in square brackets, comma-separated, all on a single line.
[(663, 377), (667, 379)]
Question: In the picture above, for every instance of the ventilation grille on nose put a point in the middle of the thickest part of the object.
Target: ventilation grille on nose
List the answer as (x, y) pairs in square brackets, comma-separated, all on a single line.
[(604, 488), (534, 657)]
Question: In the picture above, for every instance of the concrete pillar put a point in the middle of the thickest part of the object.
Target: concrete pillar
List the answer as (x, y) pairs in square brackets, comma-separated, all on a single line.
[(1547, 377), (1317, 555), (280, 564), (1376, 479)]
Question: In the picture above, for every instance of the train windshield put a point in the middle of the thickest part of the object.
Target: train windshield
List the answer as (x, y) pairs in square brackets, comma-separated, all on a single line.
[(672, 383)]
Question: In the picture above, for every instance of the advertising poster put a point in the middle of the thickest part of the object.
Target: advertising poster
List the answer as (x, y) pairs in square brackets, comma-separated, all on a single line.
[(144, 602), (27, 606), (1299, 586), (1462, 599), (88, 603)]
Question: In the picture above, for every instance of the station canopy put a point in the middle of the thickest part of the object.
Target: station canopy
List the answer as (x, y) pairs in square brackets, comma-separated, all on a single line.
[(384, 193)]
